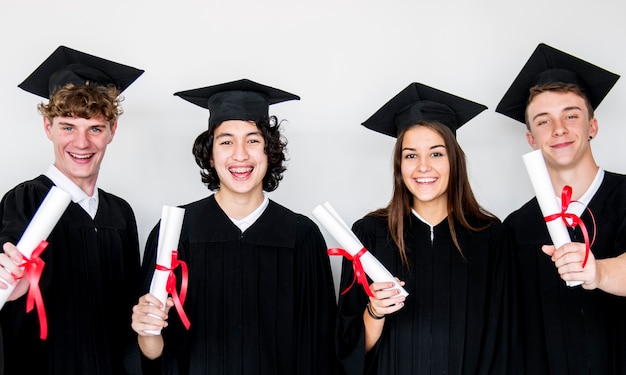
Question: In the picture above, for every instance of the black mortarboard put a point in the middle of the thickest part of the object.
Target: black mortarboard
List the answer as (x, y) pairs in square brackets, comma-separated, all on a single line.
[(419, 102), (67, 65), (549, 65), (238, 100)]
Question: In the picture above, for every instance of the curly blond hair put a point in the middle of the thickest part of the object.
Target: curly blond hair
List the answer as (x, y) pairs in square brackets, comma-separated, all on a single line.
[(84, 102)]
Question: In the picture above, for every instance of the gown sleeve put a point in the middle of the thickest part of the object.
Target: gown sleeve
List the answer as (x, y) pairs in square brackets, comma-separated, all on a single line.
[(315, 303), (350, 327)]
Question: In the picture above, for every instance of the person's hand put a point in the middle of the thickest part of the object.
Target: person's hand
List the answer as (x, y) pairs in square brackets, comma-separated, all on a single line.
[(10, 271), (387, 299), (148, 315), (568, 260)]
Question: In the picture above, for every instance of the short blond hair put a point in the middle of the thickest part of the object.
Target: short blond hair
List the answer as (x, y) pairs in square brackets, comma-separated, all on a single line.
[(84, 102)]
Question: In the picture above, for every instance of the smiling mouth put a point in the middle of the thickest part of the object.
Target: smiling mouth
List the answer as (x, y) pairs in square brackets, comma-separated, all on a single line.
[(239, 170), (425, 180), (77, 156)]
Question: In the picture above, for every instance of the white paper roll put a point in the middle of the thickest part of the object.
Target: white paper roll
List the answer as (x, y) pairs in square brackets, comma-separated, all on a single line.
[(169, 235), (40, 227), (542, 185), (330, 220)]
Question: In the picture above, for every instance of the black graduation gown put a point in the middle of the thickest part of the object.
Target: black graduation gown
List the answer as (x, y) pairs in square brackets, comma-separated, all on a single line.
[(87, 284), (569, 330), (457, 318), (259, 302)]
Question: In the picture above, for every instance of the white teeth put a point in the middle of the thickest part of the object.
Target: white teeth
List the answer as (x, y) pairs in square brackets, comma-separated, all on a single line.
[(240, 170), (426, 180), (81, 156)]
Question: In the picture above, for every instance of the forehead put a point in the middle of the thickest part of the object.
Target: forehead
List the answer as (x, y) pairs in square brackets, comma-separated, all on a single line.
[(554, 101), (421, 135), (236, 127)]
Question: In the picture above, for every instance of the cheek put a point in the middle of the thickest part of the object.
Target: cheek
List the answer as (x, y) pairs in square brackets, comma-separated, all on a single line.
[(406, 168)]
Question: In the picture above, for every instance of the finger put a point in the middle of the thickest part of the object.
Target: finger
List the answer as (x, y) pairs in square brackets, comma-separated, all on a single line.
[(388, 306), (150, 299), (12, 252), (548, 249), (146, 309)]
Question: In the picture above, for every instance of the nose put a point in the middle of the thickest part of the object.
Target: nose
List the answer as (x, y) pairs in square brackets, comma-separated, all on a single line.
[(559, 128), (82, 139), (423, 164), (240, 151)]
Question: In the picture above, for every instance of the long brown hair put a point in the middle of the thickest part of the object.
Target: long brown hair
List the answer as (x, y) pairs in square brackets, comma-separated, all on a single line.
[(461, 201)]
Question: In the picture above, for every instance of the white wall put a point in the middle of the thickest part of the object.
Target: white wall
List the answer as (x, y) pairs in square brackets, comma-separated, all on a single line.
[(344, 58)]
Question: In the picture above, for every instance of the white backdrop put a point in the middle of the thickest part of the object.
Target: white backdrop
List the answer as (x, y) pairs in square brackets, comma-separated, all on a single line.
[(345, 58)]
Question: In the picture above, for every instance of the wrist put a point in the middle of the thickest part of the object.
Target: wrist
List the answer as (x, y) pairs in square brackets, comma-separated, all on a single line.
[(372, 314)]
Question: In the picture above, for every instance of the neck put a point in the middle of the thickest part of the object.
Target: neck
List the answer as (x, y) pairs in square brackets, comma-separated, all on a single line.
[(238, 206), (578, 178), (433, 213)]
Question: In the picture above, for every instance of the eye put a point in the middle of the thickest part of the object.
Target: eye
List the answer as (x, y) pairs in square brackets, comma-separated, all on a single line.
[(542, 122), (96, 130), (572, 117), (437, 154), (410, 156)]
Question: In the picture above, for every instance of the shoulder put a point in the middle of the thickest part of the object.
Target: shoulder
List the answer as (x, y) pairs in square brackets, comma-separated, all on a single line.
[(113, 200), (201, 205), (370, 224), (613, 183), (40, 184), (29, 192), (284, 214), (529, 209)]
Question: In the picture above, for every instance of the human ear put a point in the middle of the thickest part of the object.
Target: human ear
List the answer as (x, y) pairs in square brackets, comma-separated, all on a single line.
[(531, 140)]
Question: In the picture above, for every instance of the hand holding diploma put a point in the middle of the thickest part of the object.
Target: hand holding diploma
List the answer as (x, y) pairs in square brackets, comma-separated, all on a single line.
[(333, 223), (31, 245), (164, 280), (554, 215)]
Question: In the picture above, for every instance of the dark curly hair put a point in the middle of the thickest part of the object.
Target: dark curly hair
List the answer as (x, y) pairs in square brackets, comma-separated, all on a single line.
[(275, 148)]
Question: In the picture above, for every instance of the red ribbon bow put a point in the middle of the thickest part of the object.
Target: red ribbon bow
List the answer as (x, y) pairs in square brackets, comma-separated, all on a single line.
[(179, 300), (33, 267), (359, 273), (566, 196)]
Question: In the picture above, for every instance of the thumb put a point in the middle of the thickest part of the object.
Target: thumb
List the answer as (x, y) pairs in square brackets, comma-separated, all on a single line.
[(548, 249)]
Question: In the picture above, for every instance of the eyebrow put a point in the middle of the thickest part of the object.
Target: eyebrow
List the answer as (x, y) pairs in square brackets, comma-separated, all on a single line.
[(566, 109), (430, 148), (222, 135), (64, 123)]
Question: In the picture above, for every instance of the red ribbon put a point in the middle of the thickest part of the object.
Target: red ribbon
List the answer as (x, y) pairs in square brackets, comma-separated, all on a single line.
[(566, 196), (33, 267), (357, 266), (170, 287)]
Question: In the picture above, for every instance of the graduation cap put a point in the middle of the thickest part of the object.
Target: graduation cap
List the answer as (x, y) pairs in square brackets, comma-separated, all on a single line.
[(549, 65), (66, 65), (418, 102), (238, 100)]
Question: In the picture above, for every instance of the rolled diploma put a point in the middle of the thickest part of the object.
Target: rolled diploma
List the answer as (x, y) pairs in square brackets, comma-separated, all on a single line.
[(40, 227), (169, 235), (329, 218), (540, 180)]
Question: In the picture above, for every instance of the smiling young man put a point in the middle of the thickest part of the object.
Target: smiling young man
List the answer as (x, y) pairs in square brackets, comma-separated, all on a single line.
[(569, 330), (260, 291), (92, 260)]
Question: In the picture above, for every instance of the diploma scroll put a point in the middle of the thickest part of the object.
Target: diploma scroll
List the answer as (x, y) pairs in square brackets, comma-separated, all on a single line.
[(333, 223), (540, 179), (169, 235), (40, 227)]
